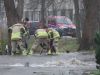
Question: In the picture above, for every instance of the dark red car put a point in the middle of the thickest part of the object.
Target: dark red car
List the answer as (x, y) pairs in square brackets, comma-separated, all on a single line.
[(63, 25)]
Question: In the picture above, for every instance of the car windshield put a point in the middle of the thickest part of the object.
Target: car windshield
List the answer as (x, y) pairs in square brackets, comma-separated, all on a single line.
[(64, 21), (59, 20)]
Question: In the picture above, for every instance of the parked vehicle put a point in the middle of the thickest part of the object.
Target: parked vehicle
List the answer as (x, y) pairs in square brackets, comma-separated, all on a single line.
[(63, 25)]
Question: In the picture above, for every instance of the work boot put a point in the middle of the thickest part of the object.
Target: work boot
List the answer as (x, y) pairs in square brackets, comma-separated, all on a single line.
[(30, 52), (24, 52), (13, 53), (49, 52)]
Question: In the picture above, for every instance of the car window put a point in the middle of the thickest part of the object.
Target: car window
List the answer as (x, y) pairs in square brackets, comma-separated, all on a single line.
[(61, 20), (51, 21), (69, 21), (64, 21)]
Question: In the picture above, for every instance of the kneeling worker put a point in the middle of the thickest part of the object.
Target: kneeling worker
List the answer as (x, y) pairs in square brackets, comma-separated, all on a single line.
[(41, 39), (53, 40)]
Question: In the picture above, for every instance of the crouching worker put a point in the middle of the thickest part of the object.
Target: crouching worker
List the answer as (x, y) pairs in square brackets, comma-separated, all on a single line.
[(17, 33), (54, 37), (41, 40)]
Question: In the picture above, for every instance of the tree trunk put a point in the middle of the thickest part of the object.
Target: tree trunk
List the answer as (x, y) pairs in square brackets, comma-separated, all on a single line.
[(98, 16), (12, 17), (77, 19), (54, 9), (90, 24), (19, 8), (43, 11)]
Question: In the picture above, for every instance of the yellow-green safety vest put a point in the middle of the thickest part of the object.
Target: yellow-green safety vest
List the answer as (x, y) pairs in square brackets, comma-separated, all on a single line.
[(55, 34), (16, 33), (16, 36), (41, 33)]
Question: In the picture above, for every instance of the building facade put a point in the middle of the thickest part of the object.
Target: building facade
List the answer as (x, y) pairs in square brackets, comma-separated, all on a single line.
[(64, 8)]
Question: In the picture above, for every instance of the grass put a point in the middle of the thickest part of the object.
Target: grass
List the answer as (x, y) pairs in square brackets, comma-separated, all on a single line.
[(2, 45), (68, 44), (64, 44), (97, 72)]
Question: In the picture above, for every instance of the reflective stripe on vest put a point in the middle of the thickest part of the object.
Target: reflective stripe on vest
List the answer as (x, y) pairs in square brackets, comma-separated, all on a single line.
[(16, 36), (51, 34)]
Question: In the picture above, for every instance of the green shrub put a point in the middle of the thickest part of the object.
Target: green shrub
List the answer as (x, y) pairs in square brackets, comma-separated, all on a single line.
[(97, 41), (2, 45), (68, 44), (97, 72)]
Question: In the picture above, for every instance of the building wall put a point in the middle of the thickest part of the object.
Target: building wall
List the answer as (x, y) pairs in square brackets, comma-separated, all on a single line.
[(34, 15)]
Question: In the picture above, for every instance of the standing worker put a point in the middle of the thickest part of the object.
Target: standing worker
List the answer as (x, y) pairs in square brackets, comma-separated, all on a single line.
[(17, 34), (26, 24)]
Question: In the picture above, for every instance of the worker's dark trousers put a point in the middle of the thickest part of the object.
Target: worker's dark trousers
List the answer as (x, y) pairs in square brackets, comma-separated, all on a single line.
[(52, 47)]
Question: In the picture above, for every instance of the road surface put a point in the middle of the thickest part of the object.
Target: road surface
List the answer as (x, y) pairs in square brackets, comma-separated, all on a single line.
[(77, 63)]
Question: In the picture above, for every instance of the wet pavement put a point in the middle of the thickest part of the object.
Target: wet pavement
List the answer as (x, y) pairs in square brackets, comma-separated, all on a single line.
[(77, 63)]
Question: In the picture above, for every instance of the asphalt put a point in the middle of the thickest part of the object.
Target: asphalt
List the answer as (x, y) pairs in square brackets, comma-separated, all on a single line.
[(77, 63)]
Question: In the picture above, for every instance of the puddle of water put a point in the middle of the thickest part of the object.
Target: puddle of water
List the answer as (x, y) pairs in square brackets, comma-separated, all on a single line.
[(17, 64), (73, 63), (13, 65)]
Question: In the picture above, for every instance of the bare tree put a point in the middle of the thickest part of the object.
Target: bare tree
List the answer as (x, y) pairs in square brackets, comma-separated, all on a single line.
[(33, 4), (90, 25), (77, 19), (43, 12), (98, 15), (13, 15), (19, 8)]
